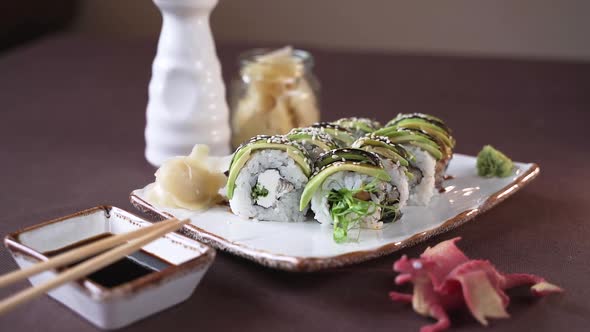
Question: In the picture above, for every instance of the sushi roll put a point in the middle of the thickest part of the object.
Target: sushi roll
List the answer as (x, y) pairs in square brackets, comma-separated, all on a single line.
[(266, 177), (422, 166), (395, 159), (341, 135), (436, 130), (350, 189), (314, 141), (359, 126)]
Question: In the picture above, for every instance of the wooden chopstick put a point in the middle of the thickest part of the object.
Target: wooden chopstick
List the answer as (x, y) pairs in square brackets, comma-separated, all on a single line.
[(77, 255), (88, 266)]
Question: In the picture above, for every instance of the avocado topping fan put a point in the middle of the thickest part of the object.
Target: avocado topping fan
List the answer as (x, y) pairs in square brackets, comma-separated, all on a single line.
[(426, 117), (360, 126), (411, 137), (314, 136), (433, 127), (382, 146), (341, 135), (263, 142)]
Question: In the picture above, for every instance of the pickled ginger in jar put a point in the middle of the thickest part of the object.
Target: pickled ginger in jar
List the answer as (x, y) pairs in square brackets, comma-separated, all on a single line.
[(276, 91)]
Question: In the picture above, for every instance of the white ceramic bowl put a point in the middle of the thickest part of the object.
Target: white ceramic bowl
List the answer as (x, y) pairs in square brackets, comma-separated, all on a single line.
[(179, 264)]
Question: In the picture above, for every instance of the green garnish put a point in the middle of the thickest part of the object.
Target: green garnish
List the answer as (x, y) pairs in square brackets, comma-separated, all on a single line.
[(258, 191), (348, 210), (491, 162), (316, 181)]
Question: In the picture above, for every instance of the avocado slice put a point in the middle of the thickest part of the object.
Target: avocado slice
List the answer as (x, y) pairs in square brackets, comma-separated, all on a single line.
[(355, 124), (347, 154), (298, 137), (434, 152), (234, 170), (243, 155), (430, 118), (359, 126), (401, 136), (242, 148), (427, 127), (338, 133), (384, 147), (316, 181), (445, 149), (387, 153)]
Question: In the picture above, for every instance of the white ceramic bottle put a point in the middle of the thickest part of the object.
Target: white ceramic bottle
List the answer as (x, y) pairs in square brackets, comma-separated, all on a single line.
[(186, 93)]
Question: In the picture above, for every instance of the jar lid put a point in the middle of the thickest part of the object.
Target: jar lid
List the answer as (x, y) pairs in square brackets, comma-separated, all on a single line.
[(282, 65)]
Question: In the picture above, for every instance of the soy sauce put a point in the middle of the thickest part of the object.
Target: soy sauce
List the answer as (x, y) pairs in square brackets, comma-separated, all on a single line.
[(120, 272), (129, 268)]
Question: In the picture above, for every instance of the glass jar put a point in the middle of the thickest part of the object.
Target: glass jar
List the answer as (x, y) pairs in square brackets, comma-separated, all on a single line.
[(275, 92)]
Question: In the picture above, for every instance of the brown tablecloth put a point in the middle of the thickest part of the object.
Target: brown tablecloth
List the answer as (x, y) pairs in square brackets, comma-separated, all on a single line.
[(71, 137)]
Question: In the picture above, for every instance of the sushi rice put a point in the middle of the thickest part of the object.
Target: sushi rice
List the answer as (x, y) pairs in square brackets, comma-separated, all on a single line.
[(284, 191), (421, 192), (399, 180)]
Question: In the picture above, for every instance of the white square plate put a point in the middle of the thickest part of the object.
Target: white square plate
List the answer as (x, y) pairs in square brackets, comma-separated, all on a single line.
[(308, 246)]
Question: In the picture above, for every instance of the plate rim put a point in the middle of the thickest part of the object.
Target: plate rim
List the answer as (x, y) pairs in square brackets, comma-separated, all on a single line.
[(311, 264)]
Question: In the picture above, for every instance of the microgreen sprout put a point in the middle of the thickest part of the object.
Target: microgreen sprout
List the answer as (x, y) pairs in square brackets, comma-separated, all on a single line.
[(348, 210), (258, 191)]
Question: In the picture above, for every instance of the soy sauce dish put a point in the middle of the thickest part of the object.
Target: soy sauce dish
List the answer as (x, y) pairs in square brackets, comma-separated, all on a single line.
[(160, 275)]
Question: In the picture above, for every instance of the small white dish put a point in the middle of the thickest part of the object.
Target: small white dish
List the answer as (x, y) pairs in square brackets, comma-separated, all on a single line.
[(308, 246), (176, 266)]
